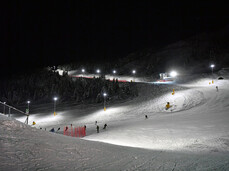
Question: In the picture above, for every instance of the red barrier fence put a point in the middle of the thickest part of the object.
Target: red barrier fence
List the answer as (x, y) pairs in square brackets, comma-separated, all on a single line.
[(77, 132)]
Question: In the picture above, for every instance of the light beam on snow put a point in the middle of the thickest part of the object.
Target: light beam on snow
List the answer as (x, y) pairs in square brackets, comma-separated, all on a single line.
[(42, 119)]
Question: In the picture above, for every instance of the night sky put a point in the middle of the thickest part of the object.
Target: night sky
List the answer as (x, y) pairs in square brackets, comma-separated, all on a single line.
[(41, 33)]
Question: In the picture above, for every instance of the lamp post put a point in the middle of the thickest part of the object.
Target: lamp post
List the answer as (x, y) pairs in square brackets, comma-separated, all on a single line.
[(83, 70), (4, 110), (134, 72), (98, 71), (28, 102), (55, 99), (212, 66), (27, 112), (104, 103), (173, 74), (114, 72)]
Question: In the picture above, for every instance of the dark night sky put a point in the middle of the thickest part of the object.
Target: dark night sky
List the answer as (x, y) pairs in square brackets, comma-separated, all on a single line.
[(42, 33)]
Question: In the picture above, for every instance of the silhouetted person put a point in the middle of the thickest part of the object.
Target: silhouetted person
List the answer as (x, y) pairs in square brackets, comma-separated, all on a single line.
[(97, 128), (95, 122), (146, 116), (217, 88), (105, 126), (85, 127), (66, 128), (52, 130), (58, 129)]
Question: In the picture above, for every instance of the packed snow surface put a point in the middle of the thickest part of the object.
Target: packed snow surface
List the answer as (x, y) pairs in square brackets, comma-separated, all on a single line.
[(193, 134)]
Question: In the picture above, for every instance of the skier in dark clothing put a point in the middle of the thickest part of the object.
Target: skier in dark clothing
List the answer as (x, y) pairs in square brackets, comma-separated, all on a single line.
[(105, 126), (52, 130), (146, 116), (85, 127), (97, 128), (217, 89), (58, 129)]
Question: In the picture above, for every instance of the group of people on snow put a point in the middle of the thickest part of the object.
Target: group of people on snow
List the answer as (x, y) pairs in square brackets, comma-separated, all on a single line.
[(97, 126)]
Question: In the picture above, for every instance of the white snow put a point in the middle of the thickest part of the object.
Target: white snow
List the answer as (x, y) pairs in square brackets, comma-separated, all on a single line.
[(192, 135)]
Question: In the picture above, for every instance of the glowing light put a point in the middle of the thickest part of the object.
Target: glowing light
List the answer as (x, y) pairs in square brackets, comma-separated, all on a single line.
[(83, 70), (28, 102), (98, 71), (104, 94), (212, 66), (133, 71), (114, 71), (55, 98), (173, 74)]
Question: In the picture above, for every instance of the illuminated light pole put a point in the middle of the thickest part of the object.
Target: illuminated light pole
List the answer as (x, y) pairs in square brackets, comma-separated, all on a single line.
[(4, 110), (98, 71), (28, 106), (114, 72), (173, 74), (55, 99), (212, 66), (83, 71), (134, 72), (27, 112), (104, 103)]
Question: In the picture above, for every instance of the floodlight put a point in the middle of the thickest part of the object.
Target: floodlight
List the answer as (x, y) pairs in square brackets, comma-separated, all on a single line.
[(173, 74)]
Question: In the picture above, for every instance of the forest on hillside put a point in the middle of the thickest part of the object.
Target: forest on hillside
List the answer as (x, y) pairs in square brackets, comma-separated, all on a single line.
[(42, 86)]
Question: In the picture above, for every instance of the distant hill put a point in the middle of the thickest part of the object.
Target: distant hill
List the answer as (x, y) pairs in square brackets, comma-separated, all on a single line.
[(193, 55)]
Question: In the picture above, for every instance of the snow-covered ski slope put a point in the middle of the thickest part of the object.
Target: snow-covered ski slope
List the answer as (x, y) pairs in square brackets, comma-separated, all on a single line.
[(192, 135)]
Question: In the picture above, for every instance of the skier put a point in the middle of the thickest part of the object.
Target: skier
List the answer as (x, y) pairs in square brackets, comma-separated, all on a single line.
[(97, 128), (217, 88), (105, 126), (85, 127), (146, 117), (167, 106), (66, 128), (52, 130), (95, 122), (58, 129)]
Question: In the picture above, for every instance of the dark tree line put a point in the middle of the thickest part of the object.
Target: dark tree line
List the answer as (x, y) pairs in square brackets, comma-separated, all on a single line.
[(42, 86)]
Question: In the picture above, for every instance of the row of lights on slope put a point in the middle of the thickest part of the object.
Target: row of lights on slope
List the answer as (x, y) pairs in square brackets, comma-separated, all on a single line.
[(114, 71)]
